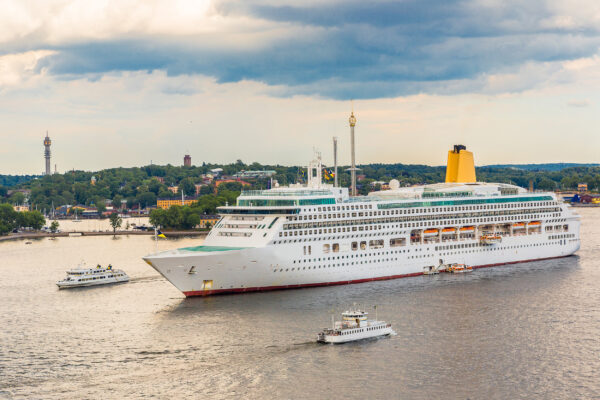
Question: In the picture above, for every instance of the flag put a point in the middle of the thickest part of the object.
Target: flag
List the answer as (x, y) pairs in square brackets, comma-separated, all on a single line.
[(160, 234)]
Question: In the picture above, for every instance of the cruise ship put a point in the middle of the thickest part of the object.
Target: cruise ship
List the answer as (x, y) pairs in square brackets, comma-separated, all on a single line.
[(315, 234)]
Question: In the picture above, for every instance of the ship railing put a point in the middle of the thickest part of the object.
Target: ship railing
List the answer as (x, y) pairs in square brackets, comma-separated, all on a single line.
[(291, 193)]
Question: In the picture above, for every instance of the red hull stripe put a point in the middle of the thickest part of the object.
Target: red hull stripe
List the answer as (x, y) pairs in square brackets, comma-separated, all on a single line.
[(306, 285)]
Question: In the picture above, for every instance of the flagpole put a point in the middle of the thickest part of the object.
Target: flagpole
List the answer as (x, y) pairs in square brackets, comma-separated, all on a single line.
[(155, 240)]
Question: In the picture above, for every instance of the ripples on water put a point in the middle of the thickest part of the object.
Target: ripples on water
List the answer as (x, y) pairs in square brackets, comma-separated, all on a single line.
[(526, 330)]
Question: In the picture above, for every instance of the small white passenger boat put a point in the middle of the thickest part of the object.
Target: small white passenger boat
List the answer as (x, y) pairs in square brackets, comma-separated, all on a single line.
[(81, 276), (354, 326)]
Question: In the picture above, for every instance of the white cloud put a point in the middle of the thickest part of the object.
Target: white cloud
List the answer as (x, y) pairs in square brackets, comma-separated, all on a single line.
[(20, 69)]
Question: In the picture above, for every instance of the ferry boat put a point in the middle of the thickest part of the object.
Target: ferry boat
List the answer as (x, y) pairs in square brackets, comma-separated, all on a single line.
[(354, 326), (81, 276), (315, 234)]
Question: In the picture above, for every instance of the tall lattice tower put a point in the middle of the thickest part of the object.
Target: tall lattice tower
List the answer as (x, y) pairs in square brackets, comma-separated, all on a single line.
[(47, 143)]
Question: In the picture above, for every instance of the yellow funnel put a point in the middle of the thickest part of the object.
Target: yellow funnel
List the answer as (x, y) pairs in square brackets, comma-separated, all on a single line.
[(460, 167)]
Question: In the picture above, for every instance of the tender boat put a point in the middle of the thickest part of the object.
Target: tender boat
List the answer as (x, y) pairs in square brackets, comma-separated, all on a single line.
[(459, 268), (81, 276), (354, 326)]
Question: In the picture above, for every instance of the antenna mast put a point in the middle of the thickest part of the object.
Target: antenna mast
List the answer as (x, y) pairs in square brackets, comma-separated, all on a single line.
[(335, 162), (352, 121)]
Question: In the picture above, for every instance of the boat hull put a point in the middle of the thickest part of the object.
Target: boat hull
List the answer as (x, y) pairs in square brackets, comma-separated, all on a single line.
[(70, 285), (274, 267), (353, 337)]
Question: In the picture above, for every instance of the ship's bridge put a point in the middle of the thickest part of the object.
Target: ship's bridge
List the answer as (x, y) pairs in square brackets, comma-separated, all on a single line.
[(286, 197)]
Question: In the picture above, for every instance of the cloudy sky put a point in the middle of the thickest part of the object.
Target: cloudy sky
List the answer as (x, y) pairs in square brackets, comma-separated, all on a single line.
[(126, 82)]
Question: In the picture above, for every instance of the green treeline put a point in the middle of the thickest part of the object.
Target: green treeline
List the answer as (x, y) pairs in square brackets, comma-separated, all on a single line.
[(11, 219), (142, 185)]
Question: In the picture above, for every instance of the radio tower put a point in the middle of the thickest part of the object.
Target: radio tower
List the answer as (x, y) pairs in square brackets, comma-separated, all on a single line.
[(352, 121), (47, 144)]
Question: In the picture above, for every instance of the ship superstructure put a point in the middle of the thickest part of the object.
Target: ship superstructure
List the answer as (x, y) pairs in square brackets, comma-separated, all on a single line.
[(316, 234)]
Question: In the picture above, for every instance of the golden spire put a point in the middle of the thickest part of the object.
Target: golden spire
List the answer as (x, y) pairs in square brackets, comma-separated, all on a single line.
[(352, 118)]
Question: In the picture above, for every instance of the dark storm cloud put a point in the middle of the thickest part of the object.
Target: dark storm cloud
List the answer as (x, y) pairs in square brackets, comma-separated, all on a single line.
[(354, 49)]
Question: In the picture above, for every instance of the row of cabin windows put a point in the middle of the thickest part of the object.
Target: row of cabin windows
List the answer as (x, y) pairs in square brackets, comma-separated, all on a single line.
[(309, 217), (426, 217), (288, 232), (432, 209), (354, 246), (476, 246)]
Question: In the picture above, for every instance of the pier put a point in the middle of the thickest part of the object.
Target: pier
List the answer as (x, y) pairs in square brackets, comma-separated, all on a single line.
[(40, 235)]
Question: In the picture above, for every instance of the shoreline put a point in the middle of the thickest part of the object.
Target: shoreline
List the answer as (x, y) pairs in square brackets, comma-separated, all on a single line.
[(41, 235)]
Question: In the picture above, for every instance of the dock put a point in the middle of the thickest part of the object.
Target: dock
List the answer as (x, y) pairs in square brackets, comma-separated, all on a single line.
[(41, 235)]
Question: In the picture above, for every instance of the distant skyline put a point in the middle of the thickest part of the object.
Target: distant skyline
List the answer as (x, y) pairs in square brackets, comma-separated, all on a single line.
[(120, 83)]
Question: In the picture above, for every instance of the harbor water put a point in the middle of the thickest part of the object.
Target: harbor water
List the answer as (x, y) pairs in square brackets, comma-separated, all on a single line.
[(528, 330)]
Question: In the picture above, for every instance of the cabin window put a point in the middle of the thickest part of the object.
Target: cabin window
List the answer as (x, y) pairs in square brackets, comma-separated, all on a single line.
[(363, 245), (376, 244), (336, 247), (326, 248), (354, 246)]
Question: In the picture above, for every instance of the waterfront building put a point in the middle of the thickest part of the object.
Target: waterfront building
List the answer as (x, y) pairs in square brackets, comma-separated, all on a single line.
[(21, 208), (208, 221), (220, 181), (254, 174), (582, 187), (173, 189), (47, 143), (316, 234), (187, 161), (166, 202)]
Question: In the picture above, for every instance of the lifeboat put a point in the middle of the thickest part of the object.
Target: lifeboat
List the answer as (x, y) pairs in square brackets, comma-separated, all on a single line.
[(459, 268), (534, 223), (518, 225), (467, 229), (448, 230), (430, 232), (490, 239)]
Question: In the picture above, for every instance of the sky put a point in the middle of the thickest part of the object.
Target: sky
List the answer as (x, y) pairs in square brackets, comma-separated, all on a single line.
[(130, 82)]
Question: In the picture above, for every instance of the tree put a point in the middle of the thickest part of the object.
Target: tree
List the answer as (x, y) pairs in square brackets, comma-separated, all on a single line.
[(116, 201), (158, 217), (115, 221), (187, 186), (17, 198), (146, 199), (546, 184), (8, 218), (54, 226), (31, 219), (100, 206)]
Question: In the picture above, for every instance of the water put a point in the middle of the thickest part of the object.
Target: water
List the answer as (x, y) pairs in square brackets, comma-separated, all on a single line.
[(69, 225), (520, 331)]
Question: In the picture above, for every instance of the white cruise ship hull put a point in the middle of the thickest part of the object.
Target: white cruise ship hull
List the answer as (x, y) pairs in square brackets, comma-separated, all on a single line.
[(199, 273)]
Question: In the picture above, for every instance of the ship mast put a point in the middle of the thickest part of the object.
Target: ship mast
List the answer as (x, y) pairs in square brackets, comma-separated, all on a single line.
[(352, 121), (335, 163)]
